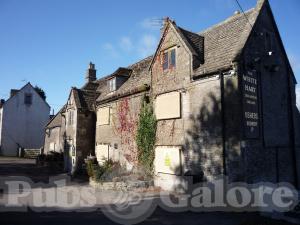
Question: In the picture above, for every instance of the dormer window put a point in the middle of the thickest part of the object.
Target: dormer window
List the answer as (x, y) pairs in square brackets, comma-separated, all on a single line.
[(111, 84), (169, 59)]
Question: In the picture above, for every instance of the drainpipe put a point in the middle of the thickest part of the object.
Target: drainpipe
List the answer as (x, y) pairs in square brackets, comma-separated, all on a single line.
[(223, 123)]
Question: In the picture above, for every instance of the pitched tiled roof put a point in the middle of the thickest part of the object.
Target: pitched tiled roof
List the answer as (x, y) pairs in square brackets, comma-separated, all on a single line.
[(56, 120), (224, 42), (85, 99), (194, 41)]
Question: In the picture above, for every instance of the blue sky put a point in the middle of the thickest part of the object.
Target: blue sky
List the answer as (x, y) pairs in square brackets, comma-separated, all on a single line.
[(51, 42)]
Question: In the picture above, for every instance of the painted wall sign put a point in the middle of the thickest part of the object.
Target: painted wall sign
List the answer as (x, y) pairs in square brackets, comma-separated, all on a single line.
[(250, 105)]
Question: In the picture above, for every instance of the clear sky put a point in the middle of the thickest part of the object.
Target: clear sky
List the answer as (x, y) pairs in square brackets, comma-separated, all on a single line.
[(50, 43)]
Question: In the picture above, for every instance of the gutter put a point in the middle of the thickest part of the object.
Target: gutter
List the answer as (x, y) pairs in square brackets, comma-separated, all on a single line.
[(212, 72)]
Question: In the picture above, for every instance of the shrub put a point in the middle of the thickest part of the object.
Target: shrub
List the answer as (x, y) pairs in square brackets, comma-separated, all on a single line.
[(90, 168), (105, 172)]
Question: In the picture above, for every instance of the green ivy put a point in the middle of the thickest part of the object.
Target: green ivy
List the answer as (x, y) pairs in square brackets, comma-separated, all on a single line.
[(146, 135)]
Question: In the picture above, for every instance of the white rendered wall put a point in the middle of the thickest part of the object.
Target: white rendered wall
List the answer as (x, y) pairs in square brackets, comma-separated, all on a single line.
[(23, 124)]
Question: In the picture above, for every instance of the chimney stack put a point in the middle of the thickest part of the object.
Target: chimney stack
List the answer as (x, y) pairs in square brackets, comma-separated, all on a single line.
[(91, 73), (260, 3), (13, 92), (165, 23)]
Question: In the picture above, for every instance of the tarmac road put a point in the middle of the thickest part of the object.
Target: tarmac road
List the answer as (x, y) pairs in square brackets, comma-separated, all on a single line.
[(27, 167)]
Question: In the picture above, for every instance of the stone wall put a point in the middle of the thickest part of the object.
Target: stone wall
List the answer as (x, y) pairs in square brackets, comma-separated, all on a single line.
[(120, 133), (203, 129), (199, 129), (271, 156), (85, 141), (172, 79), (53, 136)]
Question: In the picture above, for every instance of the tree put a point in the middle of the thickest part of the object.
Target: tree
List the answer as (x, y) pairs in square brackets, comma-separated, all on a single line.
[(40, 91)]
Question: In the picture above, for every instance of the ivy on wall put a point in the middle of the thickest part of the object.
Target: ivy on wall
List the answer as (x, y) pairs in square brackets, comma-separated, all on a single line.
[(146, 134)]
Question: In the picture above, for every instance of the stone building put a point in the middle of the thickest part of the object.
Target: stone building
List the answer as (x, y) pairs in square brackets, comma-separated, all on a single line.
[(118, 108), (72, 130), (224, 100), (54, 134), (22, 120)]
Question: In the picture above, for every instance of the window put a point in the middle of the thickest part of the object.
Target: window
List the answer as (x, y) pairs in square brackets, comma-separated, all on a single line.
[(70, 117), (165, 61), (28, 99), (112, 84), (173, 58), (169, 59)]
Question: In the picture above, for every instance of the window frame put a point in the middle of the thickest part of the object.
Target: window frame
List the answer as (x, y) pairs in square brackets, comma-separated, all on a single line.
[(70, 117), (172, 63), (112, 84), (169, 59), (165, 62)]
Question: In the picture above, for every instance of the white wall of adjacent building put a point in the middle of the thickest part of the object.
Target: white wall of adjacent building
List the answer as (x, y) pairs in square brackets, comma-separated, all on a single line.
[(23, 124), (0, 124)]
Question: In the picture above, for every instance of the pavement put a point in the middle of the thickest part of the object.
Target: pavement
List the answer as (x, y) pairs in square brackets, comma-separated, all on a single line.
[(105, 210)]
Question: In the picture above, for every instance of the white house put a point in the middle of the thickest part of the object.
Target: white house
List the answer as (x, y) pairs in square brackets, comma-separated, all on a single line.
[(22, 120)]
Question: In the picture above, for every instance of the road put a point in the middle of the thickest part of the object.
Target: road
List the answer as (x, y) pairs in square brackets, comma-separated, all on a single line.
[(26, 167)]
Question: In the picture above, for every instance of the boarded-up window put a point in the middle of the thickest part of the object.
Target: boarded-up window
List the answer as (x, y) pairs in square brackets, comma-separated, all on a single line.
[(103, 116), (102, 153), (167, 106), (167, 160)]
